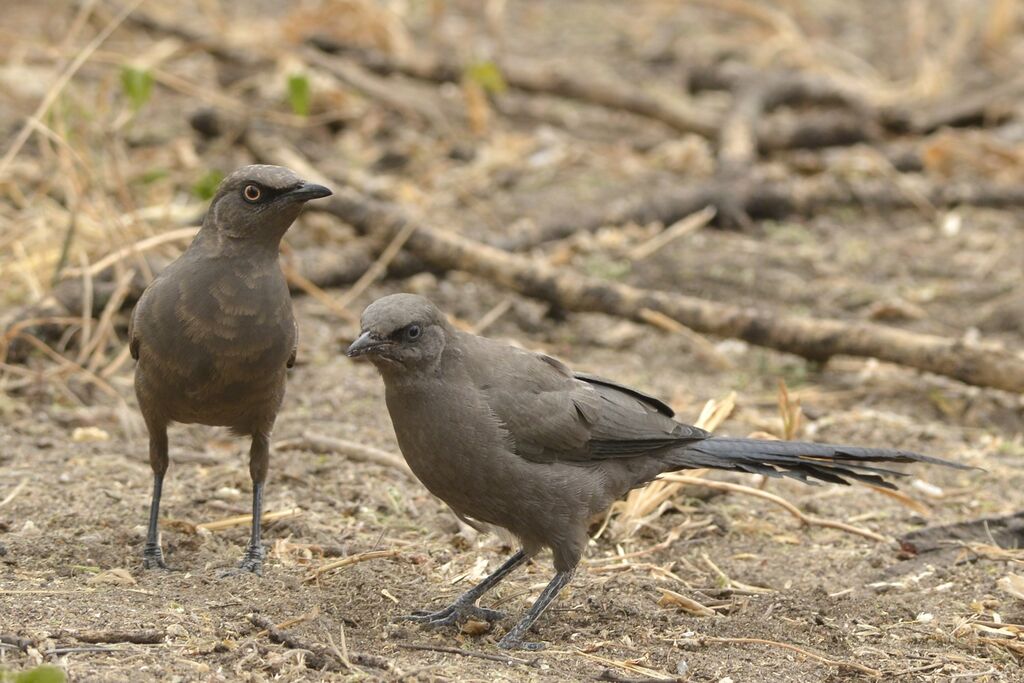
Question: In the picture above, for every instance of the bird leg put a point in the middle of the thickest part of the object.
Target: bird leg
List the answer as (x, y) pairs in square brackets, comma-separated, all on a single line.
[(152, 555), (513, 640), (464, 606), (259, 458)]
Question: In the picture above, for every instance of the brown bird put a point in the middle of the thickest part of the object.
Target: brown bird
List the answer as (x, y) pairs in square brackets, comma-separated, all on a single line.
[(214, 333), (517, 440)]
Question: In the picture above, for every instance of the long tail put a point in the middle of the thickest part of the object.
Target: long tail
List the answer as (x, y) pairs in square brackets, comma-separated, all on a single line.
[(798, 459)]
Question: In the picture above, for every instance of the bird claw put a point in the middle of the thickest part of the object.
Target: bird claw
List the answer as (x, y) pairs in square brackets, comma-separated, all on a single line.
[(153, 558), (510, 642), (454, 615), (252, 563)]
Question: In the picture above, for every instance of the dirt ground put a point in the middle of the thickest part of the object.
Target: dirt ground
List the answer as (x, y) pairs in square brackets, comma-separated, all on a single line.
[(75, 460)]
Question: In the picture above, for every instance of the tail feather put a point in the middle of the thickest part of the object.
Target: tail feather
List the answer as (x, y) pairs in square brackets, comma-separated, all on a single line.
[(798, 459)]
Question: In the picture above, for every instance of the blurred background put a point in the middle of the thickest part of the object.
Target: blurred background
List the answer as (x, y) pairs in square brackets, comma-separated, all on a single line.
[(790, 218)]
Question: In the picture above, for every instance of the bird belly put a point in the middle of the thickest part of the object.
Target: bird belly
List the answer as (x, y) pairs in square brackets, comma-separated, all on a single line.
[(204, 388), (462, 454)]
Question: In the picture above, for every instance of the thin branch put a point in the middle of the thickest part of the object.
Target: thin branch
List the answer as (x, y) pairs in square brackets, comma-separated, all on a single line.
[(805, 519)]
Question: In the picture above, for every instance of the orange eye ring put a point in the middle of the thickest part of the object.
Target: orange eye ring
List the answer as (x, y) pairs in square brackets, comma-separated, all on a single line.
[(252, 193)]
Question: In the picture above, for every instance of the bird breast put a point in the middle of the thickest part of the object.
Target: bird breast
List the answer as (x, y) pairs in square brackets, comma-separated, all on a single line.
[(454, 445)]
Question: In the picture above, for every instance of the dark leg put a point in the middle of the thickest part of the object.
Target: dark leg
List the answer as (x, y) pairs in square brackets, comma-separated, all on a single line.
[(259, 459), (513, 640), (152, 556), (464, 606)]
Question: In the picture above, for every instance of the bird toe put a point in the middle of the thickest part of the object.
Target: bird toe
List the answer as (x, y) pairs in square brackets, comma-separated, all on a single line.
[(454, 615), (154, 559), (507, 643)]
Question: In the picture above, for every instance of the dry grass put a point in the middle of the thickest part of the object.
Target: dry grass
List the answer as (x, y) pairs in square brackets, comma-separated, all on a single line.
[(87, 191)]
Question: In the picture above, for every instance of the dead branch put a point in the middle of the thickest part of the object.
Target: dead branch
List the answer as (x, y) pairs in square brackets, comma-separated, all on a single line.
[(837, 663), (16, 641), (504, 659), (747, 130), (785, 87), (210, 44), (804, 519), (986, 106), (353, 451), (349, 561), (813, 130), (317, 656), (981, 106), (609, 675), (814, 339), (144, 637), (530, 76), (762, 200), (372, 86)]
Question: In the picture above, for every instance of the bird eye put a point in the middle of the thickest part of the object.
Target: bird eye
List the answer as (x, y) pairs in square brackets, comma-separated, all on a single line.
[(412, 333), (252, 193)]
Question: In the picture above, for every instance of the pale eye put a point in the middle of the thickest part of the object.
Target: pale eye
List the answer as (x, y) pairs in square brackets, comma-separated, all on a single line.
[(252, 193), (412, 333)]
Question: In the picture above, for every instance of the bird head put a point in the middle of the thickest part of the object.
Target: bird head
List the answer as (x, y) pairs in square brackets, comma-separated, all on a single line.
[(260, 203), (401, 331)]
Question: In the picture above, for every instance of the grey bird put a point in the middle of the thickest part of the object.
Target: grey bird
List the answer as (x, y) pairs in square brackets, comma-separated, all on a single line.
[(214, 333), (515, 439)]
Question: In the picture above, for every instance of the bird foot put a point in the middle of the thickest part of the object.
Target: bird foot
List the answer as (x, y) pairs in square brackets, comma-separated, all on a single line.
[(455, 614), (153, 557), (516, 642), (252, 563)]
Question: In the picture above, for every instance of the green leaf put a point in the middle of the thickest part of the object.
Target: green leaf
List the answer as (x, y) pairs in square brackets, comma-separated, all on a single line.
[(607, 268), (42, 674), (137, 85), (299, 94), (488, 76), (206, 186), (153, 175)]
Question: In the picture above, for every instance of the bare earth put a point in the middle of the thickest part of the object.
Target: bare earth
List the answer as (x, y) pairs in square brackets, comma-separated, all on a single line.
[(71, 536)]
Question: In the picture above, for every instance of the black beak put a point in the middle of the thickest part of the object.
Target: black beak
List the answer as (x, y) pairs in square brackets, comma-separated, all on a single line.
[(308, 191), (368, 342)]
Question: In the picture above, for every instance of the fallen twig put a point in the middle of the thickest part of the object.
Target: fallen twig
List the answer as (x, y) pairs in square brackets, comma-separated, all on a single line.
[(692, 223), (14, 492), (348, 561), (371, 85), (317, 656), (350, 449), (670, 598), (288, 623), (144, 637), (837, 663), (300, 281), (625, 665), (241, 520), (730, 582), (491, 316), (609, 675), (379, 266), (805, 519), (505, 659), (16, 641)]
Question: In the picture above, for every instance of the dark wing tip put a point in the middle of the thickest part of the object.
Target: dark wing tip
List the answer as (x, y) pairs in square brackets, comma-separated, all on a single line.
[(653, 402)]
